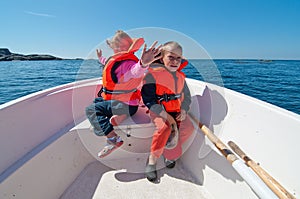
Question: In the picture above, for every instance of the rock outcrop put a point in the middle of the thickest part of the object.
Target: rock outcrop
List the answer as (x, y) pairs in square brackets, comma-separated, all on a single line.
[(6, 55)]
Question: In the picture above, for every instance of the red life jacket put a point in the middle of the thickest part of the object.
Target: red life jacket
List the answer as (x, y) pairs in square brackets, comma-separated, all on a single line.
[(169, 90), (122, 91)]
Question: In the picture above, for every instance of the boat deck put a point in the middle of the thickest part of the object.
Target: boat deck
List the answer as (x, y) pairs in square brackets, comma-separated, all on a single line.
[(121, 174), (98, 181)]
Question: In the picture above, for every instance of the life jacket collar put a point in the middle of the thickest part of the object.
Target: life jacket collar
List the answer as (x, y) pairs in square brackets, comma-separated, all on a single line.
[(135, 46)]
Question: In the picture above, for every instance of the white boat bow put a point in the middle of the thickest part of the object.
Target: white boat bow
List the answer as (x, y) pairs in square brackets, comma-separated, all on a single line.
[(48, 151)]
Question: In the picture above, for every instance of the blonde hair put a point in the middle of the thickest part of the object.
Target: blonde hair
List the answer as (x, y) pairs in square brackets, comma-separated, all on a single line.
[(169, 46), (118, 38)]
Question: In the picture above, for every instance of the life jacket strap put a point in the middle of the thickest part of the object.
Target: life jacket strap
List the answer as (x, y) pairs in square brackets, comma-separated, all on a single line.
[(107, 91), (167, 97)]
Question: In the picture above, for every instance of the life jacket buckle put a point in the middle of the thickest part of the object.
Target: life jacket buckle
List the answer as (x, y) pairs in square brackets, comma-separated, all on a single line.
[(166, 97)]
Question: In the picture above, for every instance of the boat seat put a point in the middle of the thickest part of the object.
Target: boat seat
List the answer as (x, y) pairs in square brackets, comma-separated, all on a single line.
[(139, 119), (136, 132)]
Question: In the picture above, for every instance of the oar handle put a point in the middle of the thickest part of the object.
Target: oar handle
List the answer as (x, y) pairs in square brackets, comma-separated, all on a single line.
[(277, 188)]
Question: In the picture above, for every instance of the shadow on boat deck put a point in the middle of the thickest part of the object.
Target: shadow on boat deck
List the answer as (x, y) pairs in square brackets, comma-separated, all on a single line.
[(211, 108)]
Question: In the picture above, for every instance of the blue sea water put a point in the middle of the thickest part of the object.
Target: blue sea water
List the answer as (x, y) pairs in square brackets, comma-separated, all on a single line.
[(276, 82)]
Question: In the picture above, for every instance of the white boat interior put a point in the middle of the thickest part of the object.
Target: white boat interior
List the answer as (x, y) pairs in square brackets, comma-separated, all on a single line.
[(49, 151)]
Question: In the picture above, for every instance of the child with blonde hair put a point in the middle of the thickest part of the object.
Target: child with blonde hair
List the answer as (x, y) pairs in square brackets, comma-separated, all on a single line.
[(119, 96), (168, 98)]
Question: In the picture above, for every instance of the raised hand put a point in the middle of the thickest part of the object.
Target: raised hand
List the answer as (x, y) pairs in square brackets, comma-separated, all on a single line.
[(99, 53), (150, 55)]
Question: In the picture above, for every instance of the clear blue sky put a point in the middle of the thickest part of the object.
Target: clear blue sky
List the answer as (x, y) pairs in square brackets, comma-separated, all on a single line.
[(266, 29)]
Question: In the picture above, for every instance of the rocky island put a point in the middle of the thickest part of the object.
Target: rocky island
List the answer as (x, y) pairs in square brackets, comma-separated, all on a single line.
[(6, 55)]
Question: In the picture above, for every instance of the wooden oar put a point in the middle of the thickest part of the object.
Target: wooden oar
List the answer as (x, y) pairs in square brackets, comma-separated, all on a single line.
[(257, 185), (279, 190), (231, 157)]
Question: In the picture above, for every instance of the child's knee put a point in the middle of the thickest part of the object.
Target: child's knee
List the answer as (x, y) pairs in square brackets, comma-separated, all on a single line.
[(90, 109)]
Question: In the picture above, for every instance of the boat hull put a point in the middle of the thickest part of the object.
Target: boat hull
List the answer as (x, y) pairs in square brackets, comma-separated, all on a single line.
[(46, 145)]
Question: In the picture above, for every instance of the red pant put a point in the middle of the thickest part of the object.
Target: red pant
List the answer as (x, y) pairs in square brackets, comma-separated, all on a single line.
[(162, 133)]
